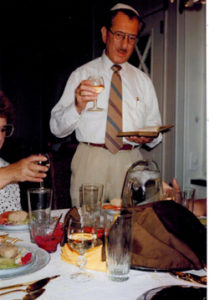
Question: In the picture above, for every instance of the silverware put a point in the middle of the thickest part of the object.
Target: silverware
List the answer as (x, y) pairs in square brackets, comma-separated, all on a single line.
[(34, 295), (31, 286), (30, 294)]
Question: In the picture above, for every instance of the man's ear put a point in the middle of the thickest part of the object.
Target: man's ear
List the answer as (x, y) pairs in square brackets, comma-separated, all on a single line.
[(104, 34)]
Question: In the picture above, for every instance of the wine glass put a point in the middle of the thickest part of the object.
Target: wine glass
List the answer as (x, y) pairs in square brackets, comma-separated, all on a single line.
[(98, 84), (81, 237), (44, 163)]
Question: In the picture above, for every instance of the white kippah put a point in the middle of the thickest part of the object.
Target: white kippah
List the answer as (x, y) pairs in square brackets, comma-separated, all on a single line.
[(124, 6)]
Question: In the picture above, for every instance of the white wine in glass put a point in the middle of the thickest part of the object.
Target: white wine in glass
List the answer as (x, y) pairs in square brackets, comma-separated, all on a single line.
[(81, 237), (98, 84)]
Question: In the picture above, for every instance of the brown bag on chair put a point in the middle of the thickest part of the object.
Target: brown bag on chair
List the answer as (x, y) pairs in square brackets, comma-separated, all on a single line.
[(167, 236)]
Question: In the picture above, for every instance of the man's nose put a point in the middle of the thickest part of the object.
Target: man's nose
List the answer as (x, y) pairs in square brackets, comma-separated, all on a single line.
[(125, 42)]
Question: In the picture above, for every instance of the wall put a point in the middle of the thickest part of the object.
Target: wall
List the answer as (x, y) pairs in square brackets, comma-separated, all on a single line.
[(191, 98)]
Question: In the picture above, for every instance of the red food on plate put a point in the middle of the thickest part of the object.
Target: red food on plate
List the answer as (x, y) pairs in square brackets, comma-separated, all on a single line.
[(111, 207), (27, 258), (4, 217)]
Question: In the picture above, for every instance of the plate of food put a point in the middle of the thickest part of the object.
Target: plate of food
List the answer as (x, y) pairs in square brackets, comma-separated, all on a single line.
[(196, 276), (174, 292), (14, 220), (15, 257), (26, 258), (113, 207)]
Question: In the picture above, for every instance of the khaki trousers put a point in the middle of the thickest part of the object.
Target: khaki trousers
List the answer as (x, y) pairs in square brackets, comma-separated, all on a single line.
[(98, 165)]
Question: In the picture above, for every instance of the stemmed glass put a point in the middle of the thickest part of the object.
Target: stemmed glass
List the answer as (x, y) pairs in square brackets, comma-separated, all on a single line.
[(44, 163), (98, 84), (81, 237)]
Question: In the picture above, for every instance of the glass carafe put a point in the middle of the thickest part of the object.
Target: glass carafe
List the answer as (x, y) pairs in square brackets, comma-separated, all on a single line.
[(142, 184)]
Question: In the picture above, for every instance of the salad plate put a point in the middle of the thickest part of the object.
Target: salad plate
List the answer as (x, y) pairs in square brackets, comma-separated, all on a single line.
[(40, 258), (24, 249)]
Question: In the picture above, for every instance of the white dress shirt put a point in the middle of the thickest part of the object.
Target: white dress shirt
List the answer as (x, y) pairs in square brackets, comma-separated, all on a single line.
[(140, 105)]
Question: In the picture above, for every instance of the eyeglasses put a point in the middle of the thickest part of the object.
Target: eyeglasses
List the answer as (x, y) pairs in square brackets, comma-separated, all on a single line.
[(7, 129), (120, 36)]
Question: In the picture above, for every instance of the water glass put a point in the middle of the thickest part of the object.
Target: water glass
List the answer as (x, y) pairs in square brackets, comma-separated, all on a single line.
[(47, 234), (90, 197), (39, 205), (186, 198), (118, 241)]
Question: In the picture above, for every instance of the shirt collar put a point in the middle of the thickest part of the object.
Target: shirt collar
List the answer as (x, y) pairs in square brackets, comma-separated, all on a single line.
[(108, 63)]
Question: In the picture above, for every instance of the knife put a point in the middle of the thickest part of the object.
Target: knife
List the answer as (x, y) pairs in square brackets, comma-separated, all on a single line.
[(31, 286)]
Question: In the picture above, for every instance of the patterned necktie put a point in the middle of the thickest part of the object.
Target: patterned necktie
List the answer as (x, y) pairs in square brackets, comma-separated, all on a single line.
[(114, 117)]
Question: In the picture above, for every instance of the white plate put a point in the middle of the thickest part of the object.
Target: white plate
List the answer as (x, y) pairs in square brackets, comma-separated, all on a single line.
[(151, 293), (40, 259), (111, 211), (17, 227), (23, 267)]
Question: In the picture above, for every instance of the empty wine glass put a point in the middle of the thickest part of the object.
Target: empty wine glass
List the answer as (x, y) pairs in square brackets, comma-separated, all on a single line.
[(81, 237), (44, 163), (98, 84)]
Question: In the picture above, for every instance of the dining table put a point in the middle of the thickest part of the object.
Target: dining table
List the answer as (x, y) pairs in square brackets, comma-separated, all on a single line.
[(99, 287)]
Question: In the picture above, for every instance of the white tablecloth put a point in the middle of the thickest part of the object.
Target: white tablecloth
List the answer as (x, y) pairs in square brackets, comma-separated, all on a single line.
[(100, 287)]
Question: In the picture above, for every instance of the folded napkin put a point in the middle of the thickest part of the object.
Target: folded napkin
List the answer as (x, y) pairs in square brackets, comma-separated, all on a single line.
[(167, 236), (93, 256)]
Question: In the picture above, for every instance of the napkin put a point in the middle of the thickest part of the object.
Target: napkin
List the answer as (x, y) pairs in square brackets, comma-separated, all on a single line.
[(93, 256), (167, 236), (72, 213)]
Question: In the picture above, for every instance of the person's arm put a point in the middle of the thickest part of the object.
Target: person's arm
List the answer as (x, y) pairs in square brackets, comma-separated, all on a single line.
[(26, 169), (66, 113)]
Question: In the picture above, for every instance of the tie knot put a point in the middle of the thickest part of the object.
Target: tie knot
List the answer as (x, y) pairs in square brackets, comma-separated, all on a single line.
[(116, 68)]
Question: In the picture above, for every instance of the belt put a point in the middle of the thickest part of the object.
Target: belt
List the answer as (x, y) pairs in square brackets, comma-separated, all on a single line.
[(124, 147)]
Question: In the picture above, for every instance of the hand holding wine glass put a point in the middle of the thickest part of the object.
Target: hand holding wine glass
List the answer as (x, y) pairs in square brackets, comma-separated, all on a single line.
[(98, 84), (44, 163)]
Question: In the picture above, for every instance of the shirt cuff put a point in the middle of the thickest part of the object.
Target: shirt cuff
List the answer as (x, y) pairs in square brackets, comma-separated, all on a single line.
[(155, 142)]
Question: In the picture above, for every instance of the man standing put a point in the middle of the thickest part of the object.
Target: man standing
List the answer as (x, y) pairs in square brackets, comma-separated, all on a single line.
[(128, 100)]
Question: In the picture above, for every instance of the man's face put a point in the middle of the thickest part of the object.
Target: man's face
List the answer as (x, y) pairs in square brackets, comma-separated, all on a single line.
[(120, 51)]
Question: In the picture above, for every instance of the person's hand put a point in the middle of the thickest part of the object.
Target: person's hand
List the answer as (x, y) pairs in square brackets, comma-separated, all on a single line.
[(175, 186), (140, 139), (170, 191), (26, 169), (84, 93)]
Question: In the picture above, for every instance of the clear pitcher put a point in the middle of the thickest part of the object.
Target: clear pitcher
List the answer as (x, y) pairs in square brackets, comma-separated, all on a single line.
[(142, 184)]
